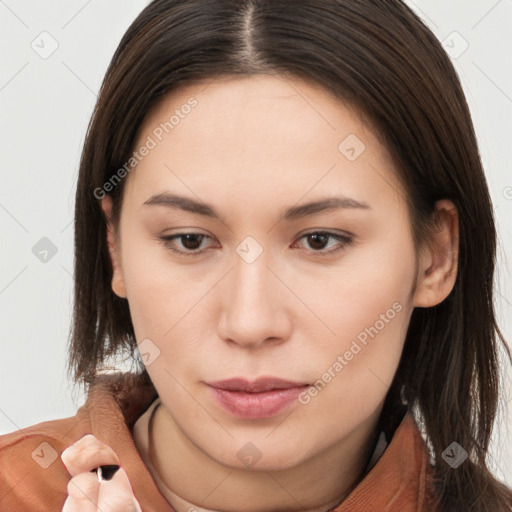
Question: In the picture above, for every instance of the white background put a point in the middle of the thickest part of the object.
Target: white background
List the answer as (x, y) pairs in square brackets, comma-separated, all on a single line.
[(45, 106)]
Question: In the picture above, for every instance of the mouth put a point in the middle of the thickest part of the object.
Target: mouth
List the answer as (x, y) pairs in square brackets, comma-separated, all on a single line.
[(257, 386), (263, 398)]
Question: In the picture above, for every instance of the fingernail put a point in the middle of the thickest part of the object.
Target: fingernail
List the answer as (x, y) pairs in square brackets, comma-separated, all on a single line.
[(65, 453)]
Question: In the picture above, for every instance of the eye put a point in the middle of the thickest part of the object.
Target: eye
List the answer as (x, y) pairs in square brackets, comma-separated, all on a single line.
[(191, 242), (318, 241)]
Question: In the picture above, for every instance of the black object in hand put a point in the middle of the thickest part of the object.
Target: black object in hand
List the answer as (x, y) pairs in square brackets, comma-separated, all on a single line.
[(105, 472)]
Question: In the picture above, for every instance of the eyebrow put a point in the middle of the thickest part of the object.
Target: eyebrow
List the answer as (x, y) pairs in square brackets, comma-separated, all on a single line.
[(292, 213)]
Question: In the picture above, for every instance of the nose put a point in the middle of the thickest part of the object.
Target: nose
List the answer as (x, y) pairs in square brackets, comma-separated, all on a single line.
[(254, 305)]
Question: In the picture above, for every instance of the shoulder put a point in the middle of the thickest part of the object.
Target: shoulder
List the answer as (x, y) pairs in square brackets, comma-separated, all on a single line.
[(32, 475)]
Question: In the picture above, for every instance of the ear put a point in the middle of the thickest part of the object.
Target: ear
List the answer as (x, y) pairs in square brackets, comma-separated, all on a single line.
[(438, 260), (114, 249)]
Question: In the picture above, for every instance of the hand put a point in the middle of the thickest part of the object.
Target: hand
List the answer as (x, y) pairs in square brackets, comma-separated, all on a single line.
[(85, 492)]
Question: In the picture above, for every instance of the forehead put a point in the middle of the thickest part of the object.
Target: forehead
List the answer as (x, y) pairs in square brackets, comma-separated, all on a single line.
[(293, 106), (254, 133)]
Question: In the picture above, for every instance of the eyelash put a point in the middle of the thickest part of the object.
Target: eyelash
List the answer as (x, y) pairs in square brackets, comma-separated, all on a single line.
[(343, 239)]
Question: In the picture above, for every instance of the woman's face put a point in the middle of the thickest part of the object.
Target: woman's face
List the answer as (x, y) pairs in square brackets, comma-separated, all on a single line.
[(273, 283)]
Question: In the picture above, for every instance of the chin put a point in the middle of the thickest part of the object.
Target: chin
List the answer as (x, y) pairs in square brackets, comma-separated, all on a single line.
[(262, 455)]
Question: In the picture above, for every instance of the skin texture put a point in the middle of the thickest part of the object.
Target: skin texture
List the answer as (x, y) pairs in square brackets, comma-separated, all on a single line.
[(251, 148)]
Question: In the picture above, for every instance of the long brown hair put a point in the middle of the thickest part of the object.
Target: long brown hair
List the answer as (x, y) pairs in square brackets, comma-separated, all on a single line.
[(379, 58)]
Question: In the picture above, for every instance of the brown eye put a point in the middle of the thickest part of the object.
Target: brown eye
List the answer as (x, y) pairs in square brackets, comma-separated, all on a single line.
[(318, 240), (189, 243)]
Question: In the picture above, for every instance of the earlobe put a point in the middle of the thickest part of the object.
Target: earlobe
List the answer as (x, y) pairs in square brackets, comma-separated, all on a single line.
[(118, 286), (439, 259)]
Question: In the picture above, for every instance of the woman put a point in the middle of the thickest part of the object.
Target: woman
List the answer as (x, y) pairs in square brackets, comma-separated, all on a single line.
[(282, 217)]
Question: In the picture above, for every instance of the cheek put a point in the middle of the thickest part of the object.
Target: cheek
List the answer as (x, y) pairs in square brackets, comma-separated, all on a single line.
[(155, 288), (167, 303), (364, 284), (368, 306), (353, 375), (352, 381)]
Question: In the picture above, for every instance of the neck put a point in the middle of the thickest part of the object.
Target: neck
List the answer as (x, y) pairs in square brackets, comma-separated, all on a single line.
[(193, 481)]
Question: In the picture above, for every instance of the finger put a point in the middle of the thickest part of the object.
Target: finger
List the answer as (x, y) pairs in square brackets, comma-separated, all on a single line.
[(116, 494), (86, 454), (83, 492)]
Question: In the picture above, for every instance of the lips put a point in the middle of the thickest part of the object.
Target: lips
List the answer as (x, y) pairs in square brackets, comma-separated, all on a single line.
[(259, 385), (263, 398)]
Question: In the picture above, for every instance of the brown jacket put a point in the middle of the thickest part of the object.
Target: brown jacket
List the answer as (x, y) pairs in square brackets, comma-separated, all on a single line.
[(33, 477)]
